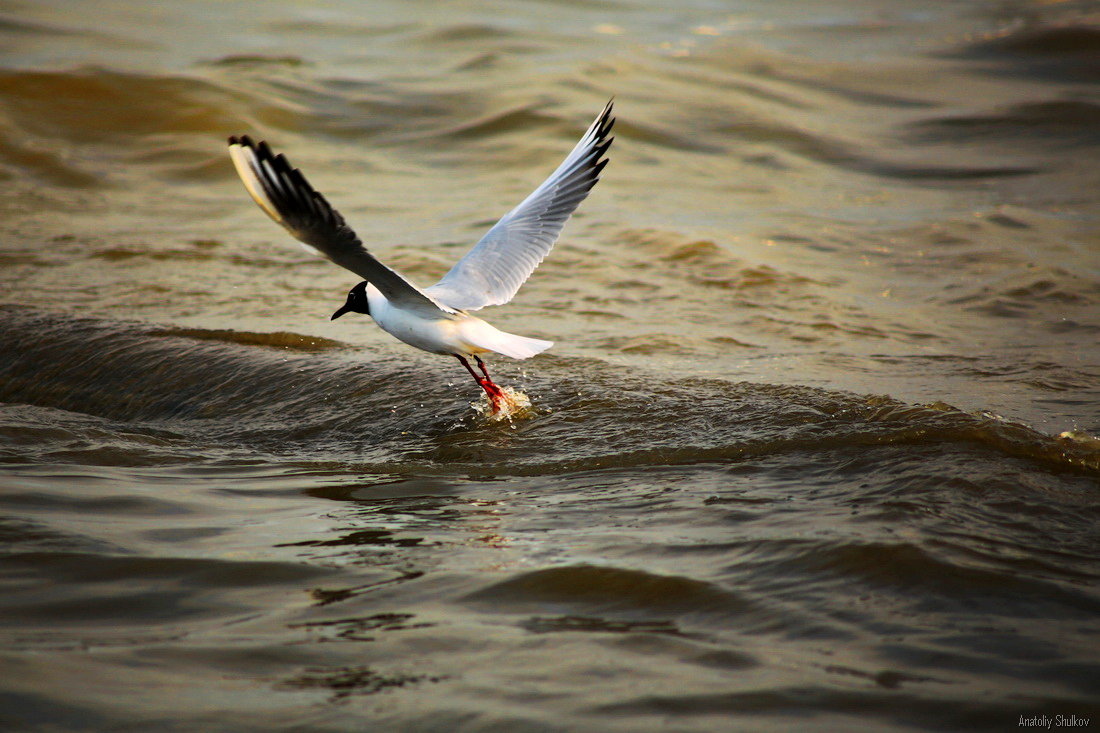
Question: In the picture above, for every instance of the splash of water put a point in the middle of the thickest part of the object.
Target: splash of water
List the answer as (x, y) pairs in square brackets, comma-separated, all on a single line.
[(511, 403)]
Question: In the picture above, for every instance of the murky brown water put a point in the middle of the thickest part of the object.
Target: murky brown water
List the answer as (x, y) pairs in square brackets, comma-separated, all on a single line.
[(814, 449)]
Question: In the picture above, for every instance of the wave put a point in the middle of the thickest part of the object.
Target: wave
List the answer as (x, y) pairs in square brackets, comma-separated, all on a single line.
[(817, 147), (1067, 52), (276, 340), (593, 589), (173, 125), (1059, 123), (223, 394)]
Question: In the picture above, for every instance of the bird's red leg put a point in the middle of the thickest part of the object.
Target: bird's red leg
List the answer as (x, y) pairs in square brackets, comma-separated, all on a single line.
[(488, 380), (481, 366), (494, 392)]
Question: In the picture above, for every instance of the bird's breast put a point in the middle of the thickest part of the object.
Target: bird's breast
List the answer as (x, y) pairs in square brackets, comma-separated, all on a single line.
[(437, 335)]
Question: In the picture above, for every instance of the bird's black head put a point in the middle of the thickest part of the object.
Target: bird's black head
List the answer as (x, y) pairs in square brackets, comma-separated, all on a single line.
[(356, 303)]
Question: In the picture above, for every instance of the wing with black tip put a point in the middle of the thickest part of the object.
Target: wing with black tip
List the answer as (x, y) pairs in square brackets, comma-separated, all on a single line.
[(286, 196), (492, 272)]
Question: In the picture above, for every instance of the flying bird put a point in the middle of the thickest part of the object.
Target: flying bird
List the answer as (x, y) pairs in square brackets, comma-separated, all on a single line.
[(437, 318)]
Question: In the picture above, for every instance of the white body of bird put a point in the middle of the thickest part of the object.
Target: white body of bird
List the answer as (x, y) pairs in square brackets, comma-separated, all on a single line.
[(458, 333)]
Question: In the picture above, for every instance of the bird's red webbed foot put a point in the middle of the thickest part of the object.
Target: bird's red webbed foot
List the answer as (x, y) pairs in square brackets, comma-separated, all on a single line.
[(496, 394), (492, 390)]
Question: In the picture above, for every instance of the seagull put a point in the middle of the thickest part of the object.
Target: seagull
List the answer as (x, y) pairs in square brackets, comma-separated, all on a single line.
[(437, 318)]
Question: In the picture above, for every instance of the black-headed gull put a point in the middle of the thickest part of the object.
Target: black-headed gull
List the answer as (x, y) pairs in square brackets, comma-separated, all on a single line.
[(435, 319)]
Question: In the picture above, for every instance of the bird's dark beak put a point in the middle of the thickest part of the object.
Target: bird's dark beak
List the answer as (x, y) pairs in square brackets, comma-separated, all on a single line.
[(344, 309)]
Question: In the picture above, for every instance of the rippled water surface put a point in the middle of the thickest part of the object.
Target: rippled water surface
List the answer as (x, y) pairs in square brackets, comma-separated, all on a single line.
[(815, 449)]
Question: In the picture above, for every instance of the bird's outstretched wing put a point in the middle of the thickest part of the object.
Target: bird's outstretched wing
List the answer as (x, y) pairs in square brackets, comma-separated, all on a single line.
[(283, 192), (492, 272)]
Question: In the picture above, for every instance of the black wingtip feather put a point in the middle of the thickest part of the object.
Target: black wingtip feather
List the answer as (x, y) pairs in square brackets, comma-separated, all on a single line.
[(264, 150), (285, 185)]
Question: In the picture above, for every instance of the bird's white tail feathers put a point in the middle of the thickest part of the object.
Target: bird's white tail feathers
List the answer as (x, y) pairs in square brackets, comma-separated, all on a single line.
[(509, 344)]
